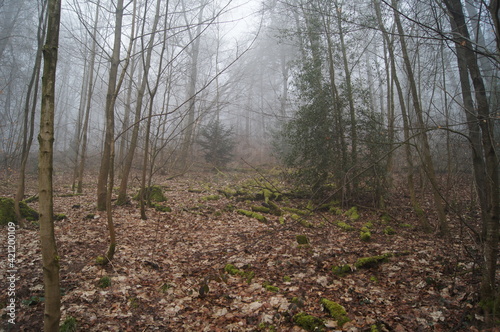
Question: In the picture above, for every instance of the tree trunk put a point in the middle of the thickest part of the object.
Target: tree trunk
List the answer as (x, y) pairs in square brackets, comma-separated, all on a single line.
[(191, 92), (425, 152), (110, 111), (406, 125), (491, 180), (352, 111), (29, 113), (89, 94), (50, 257)]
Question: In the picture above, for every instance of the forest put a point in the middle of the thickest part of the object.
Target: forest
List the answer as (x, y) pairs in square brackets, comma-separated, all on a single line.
[(247, 165)]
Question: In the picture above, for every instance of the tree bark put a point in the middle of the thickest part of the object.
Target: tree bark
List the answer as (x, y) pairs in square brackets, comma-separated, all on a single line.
[(29, 113), (491, 185), (89, 94), (425, 152), (110, 111), (50, 257)]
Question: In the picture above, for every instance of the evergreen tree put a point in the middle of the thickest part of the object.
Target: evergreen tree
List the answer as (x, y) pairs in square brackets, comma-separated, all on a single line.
[(217, 143)]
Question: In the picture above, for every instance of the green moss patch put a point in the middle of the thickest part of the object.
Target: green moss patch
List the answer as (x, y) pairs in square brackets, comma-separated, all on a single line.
[(69, 325), (267, 286), (308, 322), (261, 209), (8, 213), (252, 214), (344, 226), (336, 311), (211, 198), (233, 270), (341, 270), (152, 194), (302, 239), (372, 261), (352, 213)]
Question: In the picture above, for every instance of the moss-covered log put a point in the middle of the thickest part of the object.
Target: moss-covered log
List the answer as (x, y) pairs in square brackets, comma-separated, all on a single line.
[(252, 214)]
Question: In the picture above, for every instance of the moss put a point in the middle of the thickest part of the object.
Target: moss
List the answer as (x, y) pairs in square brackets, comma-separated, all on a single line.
[(270, 287), (302, 239), (386, 218), (228, 192), (365, 236), (274, 209), (369, 225), (308, 322), (352, 213), (101, 260), (152, 194), (372, 261), (104, 282), (341, 270), (69, 325), (287, 279), (252, 214), (27, 212), (389, 231), (297, 211), (336, 210), (336, 311), (211, 198), (161, 208), (233, 270), (8, 214), (344, 226), (90, 216), (261, 209), (59, 216)]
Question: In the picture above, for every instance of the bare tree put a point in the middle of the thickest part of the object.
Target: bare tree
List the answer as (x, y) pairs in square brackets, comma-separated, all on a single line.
[(50, 257), (30, 110)]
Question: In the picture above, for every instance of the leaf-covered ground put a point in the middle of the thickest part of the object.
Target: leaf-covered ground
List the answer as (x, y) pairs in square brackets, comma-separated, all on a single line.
[(170, 272)]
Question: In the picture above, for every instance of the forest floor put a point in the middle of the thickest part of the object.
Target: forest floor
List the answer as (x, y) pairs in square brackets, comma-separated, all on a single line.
[(171, 272)]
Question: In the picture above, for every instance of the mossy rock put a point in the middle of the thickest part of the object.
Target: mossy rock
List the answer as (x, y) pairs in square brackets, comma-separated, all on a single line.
[(161, 208), (341, 270), (152, 194), (261, 209), (274, 209), (270, 287), (365, 236), (8, 213), (309, 322), (252, 214), (336, 311), (352, 213), (372, 261), (345, 226), (302, 239)]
